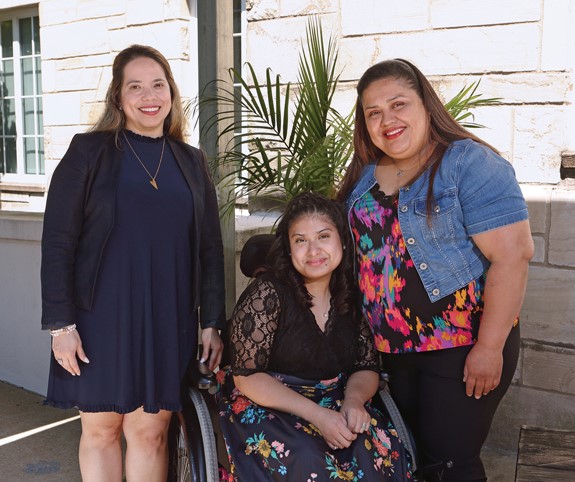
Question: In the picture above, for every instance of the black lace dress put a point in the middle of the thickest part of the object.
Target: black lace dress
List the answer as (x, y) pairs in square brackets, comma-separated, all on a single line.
[(272, 333)]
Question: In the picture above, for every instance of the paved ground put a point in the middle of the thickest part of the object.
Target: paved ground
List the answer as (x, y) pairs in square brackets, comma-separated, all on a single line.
[(52, 455), (47, 456)]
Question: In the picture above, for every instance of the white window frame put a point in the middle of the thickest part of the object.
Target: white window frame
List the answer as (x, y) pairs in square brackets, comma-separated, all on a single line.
[(20, 177)]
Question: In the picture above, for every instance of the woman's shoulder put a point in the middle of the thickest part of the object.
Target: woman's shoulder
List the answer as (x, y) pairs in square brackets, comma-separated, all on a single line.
[(94, 136), (191, 151), (92, 141), (470, 154)]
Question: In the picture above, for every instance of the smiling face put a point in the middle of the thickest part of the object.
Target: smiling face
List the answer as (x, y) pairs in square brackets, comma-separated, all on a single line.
[(315, 247), (397, 121), (145, 97)]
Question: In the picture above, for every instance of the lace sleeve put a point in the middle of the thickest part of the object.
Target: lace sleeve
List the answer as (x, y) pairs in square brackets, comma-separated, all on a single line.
[(253, 326), (367, 358)]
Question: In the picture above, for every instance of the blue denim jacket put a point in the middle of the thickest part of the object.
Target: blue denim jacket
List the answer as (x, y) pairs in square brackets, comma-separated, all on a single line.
[(475, 190)]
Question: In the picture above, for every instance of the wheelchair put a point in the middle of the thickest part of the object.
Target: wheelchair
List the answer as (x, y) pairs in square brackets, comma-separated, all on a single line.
[(194, 442)]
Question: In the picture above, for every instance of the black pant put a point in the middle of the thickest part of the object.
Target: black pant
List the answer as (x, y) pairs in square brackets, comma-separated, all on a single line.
[(448, 425)]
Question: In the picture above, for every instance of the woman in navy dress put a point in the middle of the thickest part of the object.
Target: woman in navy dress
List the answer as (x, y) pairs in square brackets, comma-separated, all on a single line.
[(131, 250)]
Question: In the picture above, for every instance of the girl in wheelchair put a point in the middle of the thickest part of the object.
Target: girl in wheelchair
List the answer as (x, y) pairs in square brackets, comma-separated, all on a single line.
[(295, 404)]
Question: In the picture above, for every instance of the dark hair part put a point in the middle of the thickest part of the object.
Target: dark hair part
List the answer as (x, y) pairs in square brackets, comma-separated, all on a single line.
[(113, 118), (444, 129), (341, 285)]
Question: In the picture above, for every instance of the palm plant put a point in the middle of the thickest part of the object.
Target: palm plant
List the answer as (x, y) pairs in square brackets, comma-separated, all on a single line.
[(287, 141), (461, 105)]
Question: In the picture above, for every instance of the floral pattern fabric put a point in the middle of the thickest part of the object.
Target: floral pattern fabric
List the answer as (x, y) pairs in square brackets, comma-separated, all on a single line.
[(394, 301), (265, 444)]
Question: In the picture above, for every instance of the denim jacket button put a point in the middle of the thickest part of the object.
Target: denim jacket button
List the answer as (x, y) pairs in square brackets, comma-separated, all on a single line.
[(410, 241), (403, 209), (437, 209), (435, 292), (423, 266)]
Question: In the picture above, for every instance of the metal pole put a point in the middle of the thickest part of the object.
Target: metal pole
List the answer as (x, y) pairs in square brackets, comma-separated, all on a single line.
[(215, 57)]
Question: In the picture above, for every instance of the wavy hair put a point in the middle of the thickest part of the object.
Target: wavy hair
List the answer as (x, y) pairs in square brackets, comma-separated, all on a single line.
[(444, 128), (341, 284), (113, 119)]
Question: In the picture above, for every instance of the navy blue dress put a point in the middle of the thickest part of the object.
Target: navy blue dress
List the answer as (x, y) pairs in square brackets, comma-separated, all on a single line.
[(141, 332)]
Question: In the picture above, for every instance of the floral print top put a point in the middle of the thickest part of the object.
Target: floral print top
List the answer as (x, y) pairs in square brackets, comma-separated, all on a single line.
[(394, 301)]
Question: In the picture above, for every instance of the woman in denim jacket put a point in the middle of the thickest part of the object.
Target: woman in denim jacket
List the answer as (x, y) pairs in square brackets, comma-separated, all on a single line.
[(442, 243)]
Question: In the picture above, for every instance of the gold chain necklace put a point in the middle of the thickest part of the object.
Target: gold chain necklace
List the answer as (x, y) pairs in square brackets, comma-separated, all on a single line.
[(152, 178)]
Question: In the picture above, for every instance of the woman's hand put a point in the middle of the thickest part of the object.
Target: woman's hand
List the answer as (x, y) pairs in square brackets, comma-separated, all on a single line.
[(482, 370), (360, 387), (334, 429), (212, 348), (357, 418), (67, 348)]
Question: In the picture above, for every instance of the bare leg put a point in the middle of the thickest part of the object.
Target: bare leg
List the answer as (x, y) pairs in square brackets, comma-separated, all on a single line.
[(100, 449), (147, 445)]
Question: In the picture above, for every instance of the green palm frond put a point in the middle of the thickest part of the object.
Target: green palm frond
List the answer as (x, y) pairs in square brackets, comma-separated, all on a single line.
[(464, 101), (287, 141)]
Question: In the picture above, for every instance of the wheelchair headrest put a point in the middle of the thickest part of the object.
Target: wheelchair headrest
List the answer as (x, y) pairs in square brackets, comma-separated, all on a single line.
[(254, 253)]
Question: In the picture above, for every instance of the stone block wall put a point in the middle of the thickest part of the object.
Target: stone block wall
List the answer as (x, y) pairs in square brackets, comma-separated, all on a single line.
[(543, 389), (522, 50), (79, 42)]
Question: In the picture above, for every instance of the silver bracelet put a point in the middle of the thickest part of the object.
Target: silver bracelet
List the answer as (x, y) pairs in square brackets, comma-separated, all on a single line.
[(63, 331)]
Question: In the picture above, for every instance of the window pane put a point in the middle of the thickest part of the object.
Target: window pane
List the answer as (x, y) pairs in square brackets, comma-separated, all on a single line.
[(237, 16), (2, 171), (10, 155), (30, 155), (29, 117), (38, 65), (9, 117), (6, 38), (237, 113), (238, 53), (36, 33), (40, 117), (27, 77), (41, 156), (26, 36), (8, 78)]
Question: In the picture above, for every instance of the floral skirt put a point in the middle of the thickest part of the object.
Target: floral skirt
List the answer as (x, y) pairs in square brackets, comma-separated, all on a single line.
[(265, 444)]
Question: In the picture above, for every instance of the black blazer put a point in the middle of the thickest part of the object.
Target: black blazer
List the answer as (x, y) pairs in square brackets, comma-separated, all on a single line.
[(79, 217)]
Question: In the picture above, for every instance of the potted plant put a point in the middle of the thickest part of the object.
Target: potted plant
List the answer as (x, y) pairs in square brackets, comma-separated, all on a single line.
[(290, 140)]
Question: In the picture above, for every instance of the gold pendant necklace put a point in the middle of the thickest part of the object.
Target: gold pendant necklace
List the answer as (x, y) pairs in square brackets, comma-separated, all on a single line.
[(152, 178)]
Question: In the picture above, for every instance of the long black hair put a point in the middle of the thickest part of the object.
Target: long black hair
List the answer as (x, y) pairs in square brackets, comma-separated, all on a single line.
[(279, 261)]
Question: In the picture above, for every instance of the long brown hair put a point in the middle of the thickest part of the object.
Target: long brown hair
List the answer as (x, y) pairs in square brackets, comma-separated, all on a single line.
[(113, 118), (444, 129)]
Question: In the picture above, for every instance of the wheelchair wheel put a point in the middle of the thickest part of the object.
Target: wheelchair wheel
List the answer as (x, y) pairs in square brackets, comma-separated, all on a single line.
[(192, 445), (404, 433)]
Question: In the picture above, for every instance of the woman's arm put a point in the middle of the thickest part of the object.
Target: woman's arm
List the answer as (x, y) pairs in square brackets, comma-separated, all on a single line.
[(268, 392), (361, 386), (509, 250)]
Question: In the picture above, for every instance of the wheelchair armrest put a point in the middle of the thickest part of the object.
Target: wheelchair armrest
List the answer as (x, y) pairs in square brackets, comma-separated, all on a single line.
[(200, 376), (383, 380)]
